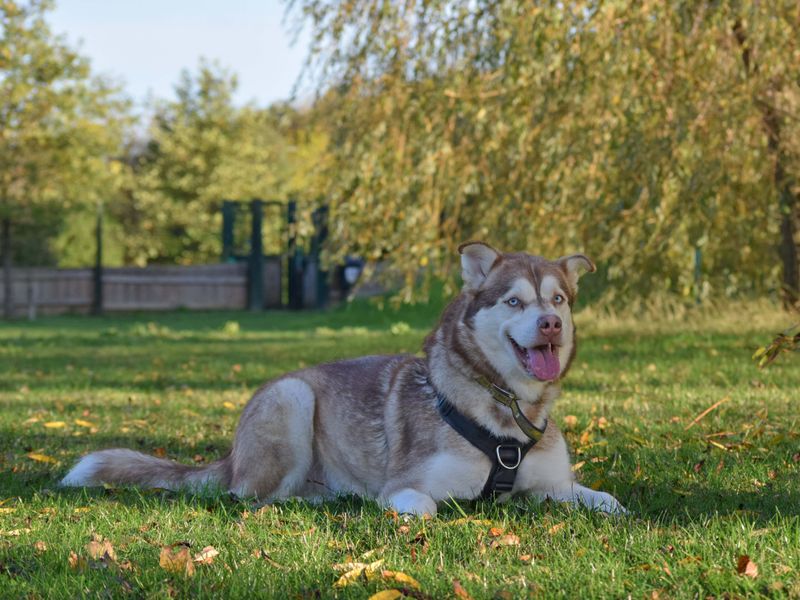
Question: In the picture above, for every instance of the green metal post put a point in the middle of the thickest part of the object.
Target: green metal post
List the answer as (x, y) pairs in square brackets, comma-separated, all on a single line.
[(97, 301), (256, 261)]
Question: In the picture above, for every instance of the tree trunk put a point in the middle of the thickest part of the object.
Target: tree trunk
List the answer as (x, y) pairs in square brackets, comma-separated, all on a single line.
[(788, 202), (5, 248)]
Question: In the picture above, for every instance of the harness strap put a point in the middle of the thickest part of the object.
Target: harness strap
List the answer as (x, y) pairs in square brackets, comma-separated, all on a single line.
[(506, 454)]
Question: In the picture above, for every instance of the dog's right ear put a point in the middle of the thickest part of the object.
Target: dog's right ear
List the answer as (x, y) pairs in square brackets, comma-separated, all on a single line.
[(477, 259)]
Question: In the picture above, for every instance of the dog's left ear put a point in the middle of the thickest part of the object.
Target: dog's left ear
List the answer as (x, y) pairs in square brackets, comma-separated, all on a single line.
[(576, 265), (477, 260)]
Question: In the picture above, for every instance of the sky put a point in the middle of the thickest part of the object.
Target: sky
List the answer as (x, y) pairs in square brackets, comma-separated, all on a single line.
[(146, 44)]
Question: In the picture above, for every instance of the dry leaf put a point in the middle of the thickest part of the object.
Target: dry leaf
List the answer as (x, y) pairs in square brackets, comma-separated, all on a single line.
[(495, 532), (176, 561), (386, 595), (361, 570), (570, 421), (746, 567), (55, 424), (83, 423), (578, 465), (473, 520), (506, 540), (401, 578), (40, 546), (76, 563), (556, 528), (42, 458), (160, 452), (206, 555), (229, 405), (98, 548), (459, 590)]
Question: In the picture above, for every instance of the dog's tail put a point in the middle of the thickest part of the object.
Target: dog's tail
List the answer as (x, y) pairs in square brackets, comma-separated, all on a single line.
[(120, 466)]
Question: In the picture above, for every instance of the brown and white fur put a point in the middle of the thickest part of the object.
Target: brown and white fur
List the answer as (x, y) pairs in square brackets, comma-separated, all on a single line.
[(370, 426)]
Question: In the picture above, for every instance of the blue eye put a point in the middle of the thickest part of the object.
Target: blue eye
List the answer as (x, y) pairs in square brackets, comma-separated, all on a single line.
[(558, 299), (513, 301)]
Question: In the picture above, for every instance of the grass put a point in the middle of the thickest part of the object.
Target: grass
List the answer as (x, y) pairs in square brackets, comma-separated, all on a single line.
[(700, 498)]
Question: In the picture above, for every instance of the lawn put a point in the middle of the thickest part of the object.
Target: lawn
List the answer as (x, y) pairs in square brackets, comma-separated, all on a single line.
[(701, 496)]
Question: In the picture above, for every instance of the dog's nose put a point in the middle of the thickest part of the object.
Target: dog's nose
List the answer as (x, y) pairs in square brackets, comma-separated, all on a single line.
[(549, 325)]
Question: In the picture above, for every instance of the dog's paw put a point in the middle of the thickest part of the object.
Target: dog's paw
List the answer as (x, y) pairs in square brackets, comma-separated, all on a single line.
[(411, 502)]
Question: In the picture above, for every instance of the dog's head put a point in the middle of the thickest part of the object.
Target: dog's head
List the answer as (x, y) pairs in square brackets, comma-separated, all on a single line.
[(519, 310)]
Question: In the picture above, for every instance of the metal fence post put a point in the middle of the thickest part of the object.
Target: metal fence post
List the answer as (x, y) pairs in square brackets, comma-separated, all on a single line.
[(256, 260), (228, 219), (97, 300)]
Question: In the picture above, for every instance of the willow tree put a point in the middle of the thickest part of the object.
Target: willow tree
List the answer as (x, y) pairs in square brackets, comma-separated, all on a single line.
[(636, 132), (60, 128)]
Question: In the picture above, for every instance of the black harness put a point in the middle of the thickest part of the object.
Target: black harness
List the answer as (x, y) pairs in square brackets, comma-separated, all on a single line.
[(505, 453)]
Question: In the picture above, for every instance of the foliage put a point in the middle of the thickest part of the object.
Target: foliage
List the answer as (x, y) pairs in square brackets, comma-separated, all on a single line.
[(633, 132), (60, 128), (714, 506), (787, 341), (201, 150)]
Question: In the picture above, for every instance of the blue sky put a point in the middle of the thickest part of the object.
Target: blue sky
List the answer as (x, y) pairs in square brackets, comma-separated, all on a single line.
[(146, 43)]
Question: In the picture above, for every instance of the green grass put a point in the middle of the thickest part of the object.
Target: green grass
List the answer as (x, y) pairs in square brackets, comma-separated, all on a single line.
[(699, 498)]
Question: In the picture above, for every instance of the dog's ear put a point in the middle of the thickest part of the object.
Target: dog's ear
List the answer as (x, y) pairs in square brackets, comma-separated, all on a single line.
[(477, 259), (576, 265)]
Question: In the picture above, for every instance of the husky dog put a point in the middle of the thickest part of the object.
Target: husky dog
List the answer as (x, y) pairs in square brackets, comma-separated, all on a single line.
[(468, 420)]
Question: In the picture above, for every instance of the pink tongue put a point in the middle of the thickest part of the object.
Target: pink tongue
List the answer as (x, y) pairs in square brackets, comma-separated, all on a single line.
[(543, 363)]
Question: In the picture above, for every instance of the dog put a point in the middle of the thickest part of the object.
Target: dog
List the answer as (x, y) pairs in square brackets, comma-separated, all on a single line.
[(469, 420)]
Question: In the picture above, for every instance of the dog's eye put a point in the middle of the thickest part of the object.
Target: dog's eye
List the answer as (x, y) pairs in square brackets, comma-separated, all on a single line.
[(513, 301), (558, 299)]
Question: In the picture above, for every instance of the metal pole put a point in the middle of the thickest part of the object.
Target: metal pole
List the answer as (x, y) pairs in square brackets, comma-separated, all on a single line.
[(228, 220), (97, 301), (256, 262)]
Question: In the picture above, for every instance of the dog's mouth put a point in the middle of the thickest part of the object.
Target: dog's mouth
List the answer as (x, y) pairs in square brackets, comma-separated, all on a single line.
[(540, 361)]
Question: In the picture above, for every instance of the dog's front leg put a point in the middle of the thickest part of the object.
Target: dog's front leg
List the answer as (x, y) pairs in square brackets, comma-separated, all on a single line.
[(411, 501), (583, 496)]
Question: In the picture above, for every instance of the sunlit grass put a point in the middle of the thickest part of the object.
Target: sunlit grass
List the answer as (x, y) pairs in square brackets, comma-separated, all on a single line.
[(701, 496)]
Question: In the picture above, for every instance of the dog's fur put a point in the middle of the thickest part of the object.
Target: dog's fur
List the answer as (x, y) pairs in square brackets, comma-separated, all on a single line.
[(370, 426)]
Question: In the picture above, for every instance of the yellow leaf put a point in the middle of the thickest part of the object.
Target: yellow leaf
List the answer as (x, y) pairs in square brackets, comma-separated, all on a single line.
[(570, 421), (464, 520), (386, 595), (176, 561), (556, 528), (229, 405), (361, 570), (578, 465), (6, 509), (83, 423), (401, 578), (42, 458), (99, 548), (206, 555), (55, 424)]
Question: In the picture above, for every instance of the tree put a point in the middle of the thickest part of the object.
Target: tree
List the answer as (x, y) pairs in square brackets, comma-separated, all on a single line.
[(202, 149), (634, 132), (60, 128)]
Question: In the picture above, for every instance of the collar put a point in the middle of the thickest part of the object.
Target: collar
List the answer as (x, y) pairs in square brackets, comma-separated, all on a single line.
[(509, 399)]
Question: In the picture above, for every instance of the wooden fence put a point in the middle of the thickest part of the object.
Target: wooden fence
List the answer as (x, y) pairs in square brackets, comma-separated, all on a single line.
[(200, 287)]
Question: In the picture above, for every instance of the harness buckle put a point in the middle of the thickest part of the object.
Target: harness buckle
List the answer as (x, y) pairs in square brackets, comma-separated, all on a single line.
[(500, 458)]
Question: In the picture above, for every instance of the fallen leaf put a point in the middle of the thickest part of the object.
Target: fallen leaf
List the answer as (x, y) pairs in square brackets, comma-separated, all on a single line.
[(796, 457), (366, 571), (465, 520), (99, 548), (176, 561), (76, 563), (570, 421), (40, 546), (525, 558), (506, 540), (83, 423), (229, 405), (42, 458), (206, 555), (160, 452), (6, 510), (459, 590), (259, 553), (578, 465), (746, 567), (386, 595), (556, 528), (16, 532), (55, 424), (402, 578), (495, 532)]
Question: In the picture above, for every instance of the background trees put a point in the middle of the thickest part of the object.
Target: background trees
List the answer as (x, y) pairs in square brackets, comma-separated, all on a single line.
[(60, 128), (659, 137)]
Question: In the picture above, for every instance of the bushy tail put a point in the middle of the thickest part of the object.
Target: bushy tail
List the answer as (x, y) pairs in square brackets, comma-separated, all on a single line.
[(120, 466)]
